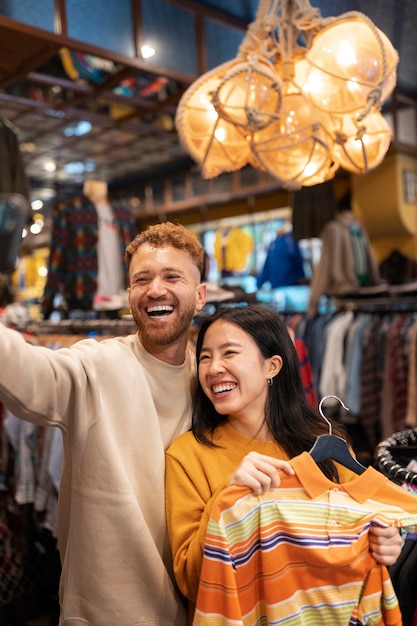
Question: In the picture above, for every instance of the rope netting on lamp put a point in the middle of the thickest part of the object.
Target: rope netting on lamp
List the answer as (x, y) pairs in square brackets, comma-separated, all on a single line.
[(301, 98)]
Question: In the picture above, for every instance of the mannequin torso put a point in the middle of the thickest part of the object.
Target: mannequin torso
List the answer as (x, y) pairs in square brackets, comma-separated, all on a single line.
[(110, 281)]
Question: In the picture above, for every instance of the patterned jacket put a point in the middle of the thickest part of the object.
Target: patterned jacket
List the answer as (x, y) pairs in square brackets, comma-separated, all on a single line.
[(73, 260)]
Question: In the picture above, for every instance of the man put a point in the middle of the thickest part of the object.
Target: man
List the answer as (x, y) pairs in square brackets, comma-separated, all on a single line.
[(119, 403)]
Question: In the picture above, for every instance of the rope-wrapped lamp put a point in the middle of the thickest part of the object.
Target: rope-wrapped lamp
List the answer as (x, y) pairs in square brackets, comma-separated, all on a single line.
[(301, 99)]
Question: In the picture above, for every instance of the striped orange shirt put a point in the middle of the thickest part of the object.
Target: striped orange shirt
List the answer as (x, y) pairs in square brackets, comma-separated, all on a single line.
[(299, 555)]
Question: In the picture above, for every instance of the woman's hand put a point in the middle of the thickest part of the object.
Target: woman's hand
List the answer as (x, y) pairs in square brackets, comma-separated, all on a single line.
[(259, 472), (385, 544)]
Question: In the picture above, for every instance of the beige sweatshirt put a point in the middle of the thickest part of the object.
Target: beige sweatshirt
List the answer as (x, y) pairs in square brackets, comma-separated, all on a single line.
[(118, 409)]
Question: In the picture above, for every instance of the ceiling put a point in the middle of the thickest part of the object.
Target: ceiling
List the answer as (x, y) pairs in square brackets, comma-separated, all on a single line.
[(126, 107)]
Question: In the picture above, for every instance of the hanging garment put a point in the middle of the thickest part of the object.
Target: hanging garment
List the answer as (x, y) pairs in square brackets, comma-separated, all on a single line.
[(232, 247), (354, 360), (299, 554), (347, 261), (333, 373), (13, 178), (73, 262), (411, 416), (14, 211), (404, 578), (14, 196), (306, 371), (397, 268), (283, 264)]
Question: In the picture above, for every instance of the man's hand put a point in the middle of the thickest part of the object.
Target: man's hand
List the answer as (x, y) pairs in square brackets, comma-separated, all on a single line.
[(385, 544)]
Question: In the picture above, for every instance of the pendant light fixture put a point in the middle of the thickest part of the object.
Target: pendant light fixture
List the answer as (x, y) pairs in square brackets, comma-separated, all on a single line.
[(301, 98)]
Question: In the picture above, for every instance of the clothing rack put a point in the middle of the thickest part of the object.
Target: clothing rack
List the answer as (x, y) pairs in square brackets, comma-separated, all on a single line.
[(365, 356), (386, 304), (387, 451), (110, 327), (383, 298)]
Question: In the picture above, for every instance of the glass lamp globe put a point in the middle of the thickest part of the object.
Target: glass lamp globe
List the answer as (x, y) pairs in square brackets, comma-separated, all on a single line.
[(362, 147), (315, 174), (249, 95), (228, 150), (215, 144), (349, 60), (296, 147)]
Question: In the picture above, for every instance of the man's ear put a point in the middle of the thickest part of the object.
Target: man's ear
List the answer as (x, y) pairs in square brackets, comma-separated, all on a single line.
[(201, 296)]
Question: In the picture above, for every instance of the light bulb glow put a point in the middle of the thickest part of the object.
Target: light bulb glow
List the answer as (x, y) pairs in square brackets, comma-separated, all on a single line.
[(220, 134), (298, 114), (346, 54)]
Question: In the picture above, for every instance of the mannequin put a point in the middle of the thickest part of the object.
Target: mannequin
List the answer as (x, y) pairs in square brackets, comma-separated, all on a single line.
[(96, 191), (347, 264), (86, 263), (110, 281)]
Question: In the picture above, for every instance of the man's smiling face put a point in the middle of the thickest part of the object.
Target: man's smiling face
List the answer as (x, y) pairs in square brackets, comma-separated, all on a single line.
[(165, 291)]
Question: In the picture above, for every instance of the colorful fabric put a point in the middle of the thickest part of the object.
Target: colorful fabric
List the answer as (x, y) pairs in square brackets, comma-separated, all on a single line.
[(195, 476), (283, 265), (336, 273), (299, 555), (306, 372), (231, 249), (73, 261), (360, 252), (411, 416)]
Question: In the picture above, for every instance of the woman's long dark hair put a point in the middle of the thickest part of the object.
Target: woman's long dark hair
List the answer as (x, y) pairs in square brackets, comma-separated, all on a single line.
[(291, 419)]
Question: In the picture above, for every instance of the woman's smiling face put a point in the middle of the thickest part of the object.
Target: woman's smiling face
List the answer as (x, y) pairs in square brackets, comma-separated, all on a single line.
[(233, 373)]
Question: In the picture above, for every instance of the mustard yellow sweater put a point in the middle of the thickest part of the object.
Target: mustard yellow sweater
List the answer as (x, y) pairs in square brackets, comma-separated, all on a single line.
[(195, 475)]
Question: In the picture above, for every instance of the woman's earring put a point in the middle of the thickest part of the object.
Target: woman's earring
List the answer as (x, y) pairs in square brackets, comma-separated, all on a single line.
[(270, 381)]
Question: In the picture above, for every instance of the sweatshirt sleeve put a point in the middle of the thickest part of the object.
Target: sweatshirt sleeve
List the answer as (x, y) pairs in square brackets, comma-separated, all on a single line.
[(188, 509), (45, 386)]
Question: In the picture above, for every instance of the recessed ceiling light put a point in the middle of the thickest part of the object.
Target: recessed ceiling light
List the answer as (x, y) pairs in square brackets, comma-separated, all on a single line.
[(50, 166), (78, 167), (78, 130), (37, 205), (35, 228), (27, 146), (147, 51)]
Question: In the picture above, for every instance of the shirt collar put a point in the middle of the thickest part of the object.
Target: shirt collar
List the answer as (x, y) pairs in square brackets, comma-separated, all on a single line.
[(315, 482)]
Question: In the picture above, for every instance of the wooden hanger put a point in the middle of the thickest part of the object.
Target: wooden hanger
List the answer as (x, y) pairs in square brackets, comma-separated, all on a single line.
[(334, 447)]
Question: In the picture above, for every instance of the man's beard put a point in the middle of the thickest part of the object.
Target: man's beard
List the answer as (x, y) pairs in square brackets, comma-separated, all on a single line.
[(166, 334)]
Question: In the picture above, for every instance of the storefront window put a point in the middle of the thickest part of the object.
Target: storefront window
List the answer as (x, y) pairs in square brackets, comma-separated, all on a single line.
[(103, 24), (39, 13), (159, 19), (222, 42)]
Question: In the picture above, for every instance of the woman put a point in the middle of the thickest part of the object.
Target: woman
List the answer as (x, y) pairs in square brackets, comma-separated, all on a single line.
[(250, 417)]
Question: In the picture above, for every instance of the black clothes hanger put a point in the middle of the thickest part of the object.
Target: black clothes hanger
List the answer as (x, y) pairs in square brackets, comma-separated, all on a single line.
[(334, 447)]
